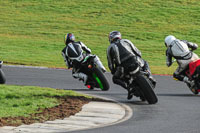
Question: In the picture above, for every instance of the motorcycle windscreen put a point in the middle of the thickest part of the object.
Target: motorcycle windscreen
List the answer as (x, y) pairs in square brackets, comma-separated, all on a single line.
[(74, 50)]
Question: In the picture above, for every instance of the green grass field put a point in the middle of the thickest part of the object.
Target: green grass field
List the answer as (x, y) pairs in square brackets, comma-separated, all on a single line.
[(32, 31), (25, 100)]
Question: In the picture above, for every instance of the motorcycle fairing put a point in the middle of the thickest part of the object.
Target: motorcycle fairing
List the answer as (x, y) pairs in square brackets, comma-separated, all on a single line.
[(193, 65)]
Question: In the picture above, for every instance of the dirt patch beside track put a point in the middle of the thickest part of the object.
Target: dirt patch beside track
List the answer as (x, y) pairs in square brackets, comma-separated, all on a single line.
[(68, 106)]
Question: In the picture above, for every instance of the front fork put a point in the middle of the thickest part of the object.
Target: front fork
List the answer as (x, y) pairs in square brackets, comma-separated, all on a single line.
[(133, 86)]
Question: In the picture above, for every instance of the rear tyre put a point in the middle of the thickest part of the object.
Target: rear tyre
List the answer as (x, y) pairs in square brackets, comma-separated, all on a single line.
[(101, 79), (147, 89), (2, 77)]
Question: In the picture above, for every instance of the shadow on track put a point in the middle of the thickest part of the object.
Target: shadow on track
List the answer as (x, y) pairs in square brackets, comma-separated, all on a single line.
[(179, 95), (82, 90), (135, 102)]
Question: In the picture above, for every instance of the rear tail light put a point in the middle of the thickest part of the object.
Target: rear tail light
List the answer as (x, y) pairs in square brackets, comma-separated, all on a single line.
[(88, 86)]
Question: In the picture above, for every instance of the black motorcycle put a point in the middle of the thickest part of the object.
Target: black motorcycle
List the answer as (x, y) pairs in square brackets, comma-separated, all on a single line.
[(96, 78), (85, 63), (2, 75), (140, 85)]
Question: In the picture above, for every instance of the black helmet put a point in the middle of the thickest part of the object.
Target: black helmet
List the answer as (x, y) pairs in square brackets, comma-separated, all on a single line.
[(114, 35), (69, 38)]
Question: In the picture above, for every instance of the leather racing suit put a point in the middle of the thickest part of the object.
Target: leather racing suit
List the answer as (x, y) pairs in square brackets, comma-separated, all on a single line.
[(123, 56), (179, 49), (69, 63)]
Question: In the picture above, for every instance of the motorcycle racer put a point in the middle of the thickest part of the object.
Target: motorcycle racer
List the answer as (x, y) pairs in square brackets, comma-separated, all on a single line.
[(70, 50), (123, 56), (179, 49)]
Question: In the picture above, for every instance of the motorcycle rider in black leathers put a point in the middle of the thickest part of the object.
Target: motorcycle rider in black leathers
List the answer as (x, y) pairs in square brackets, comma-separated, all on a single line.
[(123, 56), (179, 49), (70, 43)]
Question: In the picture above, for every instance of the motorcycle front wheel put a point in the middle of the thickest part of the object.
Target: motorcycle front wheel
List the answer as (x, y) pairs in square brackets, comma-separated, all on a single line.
[(100, 79), (147, 89)]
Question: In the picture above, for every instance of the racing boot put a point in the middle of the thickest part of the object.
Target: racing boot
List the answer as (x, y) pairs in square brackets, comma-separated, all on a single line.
[(191, 85), (81, 76), (149, 74), (121, 83), (186, 80), (130, 90), (194, 88), (151, 78), (124, 85), (99, 64), (130, 94)]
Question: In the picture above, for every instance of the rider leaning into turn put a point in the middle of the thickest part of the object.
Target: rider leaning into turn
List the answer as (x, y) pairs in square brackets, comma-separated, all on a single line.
[(179, 49), (123, 56), (70, 43)]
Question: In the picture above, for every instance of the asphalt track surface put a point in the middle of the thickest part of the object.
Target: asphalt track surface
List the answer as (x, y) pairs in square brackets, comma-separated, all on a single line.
[(177, 110)]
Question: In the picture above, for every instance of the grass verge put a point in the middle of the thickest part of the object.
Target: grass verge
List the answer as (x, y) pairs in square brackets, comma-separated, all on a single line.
[(25, 100)]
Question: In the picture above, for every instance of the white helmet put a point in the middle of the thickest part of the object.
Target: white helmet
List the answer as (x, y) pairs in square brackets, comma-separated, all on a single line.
[(169, 39)]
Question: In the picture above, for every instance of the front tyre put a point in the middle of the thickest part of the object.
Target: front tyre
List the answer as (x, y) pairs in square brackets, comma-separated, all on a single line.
[(147, 89), (100, 79)]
